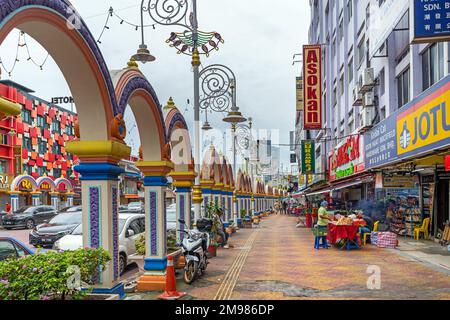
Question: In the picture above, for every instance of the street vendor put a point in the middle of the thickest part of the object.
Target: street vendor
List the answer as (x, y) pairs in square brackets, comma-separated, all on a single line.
[(323, 217)]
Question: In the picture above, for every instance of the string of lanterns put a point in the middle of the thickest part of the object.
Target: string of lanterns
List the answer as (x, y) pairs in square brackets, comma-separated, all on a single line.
[(22, 43)]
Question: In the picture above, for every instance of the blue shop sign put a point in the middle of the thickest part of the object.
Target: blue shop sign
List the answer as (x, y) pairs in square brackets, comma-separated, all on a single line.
[(431, 20), (421, 126)]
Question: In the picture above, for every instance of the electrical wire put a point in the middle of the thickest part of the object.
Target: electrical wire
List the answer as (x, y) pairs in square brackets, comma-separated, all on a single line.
[(16, 59)]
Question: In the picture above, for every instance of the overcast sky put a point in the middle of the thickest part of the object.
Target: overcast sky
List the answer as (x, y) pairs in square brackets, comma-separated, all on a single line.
[(261, 37)]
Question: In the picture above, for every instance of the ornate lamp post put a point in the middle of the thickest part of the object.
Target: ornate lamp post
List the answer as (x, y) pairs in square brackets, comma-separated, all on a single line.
[(192, 42)]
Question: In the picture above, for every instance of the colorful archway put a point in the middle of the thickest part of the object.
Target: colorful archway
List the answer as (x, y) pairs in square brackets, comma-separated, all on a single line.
[(61, 31)]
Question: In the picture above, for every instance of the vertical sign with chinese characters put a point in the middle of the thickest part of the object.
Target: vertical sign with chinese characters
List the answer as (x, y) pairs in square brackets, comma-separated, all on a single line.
[(308, 157), (312, 87), (431, 20)]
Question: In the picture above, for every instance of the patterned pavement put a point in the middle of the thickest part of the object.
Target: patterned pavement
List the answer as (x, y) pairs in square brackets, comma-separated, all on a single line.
[(278, 261)]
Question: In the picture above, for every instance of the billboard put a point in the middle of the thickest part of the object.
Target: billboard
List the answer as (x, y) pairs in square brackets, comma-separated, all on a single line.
[(430, 21), (312, 87), (421, 126), (308, 157), (383, 19)]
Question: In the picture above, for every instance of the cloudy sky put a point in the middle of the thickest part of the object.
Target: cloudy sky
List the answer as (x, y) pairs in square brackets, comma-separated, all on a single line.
[(261, 37)]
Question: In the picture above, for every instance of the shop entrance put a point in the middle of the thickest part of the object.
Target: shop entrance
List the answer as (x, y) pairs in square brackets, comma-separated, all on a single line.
[(443, 208)]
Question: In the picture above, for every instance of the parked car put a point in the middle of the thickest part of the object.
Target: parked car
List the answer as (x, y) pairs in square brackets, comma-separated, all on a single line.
[(123, 207), (131, 226), (12, 248), (136, 207), (71, 209), (171, 215), (46, 234), (2, 214), (28, 217)]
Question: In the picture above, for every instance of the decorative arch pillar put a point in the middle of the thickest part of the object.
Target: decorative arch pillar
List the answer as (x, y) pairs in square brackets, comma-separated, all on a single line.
[(253, 205), (35, 198), (70, 199), (183, 183), (236, 208), (207, 192), (54, 197), (14, 200), (217, 192), (99, 176), (155, 262)]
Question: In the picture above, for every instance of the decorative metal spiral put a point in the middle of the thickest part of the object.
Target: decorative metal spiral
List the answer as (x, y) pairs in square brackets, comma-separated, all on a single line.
[(243, 137), (216, 80), (167, 12), (218, 104)]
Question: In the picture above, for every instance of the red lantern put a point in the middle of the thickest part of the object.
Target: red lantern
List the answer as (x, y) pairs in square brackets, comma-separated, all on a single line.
[(447, 163)]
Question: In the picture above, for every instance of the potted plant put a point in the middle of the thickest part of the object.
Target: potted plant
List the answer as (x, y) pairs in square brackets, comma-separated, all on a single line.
[(139, 243), (53, 275), (213, 212)]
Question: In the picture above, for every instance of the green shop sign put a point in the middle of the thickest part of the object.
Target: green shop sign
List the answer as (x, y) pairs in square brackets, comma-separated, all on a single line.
[(308, 157), (345, 172)]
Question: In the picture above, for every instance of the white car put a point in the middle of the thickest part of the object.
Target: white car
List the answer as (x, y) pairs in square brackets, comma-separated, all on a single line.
[(131, 226)]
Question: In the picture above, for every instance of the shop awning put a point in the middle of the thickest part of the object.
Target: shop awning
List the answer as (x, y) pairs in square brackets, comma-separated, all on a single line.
[(318, 192), (350, 184)]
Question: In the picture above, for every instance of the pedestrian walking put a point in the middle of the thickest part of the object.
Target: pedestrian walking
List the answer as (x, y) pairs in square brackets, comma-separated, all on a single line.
[(285, 207), (8, 207)]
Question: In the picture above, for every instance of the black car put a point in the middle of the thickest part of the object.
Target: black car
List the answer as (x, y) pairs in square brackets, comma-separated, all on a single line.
[(71, 209), (46, 234), (28, 217)]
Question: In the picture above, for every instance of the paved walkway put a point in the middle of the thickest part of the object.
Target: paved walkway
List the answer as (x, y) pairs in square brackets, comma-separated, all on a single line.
[(278, 261)]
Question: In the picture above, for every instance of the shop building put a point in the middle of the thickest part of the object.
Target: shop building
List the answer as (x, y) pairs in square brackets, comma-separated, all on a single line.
[(34, 165), (391, 93)]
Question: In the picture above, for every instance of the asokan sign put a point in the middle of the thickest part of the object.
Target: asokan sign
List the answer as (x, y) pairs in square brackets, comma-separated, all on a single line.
[(312, 87)]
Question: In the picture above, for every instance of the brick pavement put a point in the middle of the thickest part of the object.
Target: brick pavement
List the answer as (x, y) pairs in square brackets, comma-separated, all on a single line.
[(278, 261)]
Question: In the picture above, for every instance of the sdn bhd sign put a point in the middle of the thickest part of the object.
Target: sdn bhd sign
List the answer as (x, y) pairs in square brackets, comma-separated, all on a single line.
[(312, 87), (421, 126)]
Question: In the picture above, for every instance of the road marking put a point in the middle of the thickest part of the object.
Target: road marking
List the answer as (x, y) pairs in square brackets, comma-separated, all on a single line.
[(229, 282)]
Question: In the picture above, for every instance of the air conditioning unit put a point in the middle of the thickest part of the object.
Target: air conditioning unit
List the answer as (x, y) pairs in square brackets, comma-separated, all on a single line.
[(367, 80), (357, 98), (367, 116), (369, 99)]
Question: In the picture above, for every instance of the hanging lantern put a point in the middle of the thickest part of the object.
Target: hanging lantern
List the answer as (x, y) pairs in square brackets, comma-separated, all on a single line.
[(447, 163)]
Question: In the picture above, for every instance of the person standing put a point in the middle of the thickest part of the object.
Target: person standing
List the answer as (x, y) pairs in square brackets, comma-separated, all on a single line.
[(323, 217), (8, 207), (285, 207)]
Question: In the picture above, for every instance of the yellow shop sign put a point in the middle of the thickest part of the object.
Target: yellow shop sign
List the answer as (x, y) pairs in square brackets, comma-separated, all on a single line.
[(426, 125)]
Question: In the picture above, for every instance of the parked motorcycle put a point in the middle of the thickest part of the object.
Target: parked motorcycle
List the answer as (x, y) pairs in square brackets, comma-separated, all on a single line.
[(195, 247)]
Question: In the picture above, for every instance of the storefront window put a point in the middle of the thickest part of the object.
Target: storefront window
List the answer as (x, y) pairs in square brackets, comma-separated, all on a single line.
[(403, 88), (42, 146), (433, 65), (3, 166), (26, 143), (26, 116), (56, 173), (40, 121), (56, 126)]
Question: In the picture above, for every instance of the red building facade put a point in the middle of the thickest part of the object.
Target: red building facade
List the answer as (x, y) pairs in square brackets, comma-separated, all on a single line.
[(34, 165)]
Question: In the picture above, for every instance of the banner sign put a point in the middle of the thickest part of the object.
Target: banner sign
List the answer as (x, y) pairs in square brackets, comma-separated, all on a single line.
[(431, 20), (308, 157), (421, 126), (312, 87), (400, 182), (383, 19), (347, 159)]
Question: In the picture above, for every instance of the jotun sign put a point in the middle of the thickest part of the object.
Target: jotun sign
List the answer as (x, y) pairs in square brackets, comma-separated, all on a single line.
[(312, 87), (421, 126)]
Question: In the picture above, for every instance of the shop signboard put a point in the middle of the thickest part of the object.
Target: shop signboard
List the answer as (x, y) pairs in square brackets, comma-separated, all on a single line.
[(430, 20), (308, 157), (383, 19), (25, 185), (45, 186), (400, 182), (312, 87), (17, 160), (419, 127), (5, 182), (347, 158)]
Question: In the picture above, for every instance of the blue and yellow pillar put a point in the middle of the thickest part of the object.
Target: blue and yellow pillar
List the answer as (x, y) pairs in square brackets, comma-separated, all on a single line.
[(183, 183), (99, 176), (155, 187)]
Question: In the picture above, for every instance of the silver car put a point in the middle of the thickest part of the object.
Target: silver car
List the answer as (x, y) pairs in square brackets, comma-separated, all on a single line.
[(131, 226)]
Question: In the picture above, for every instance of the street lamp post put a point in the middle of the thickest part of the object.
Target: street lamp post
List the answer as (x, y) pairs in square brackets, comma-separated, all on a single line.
[(176, 13)]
